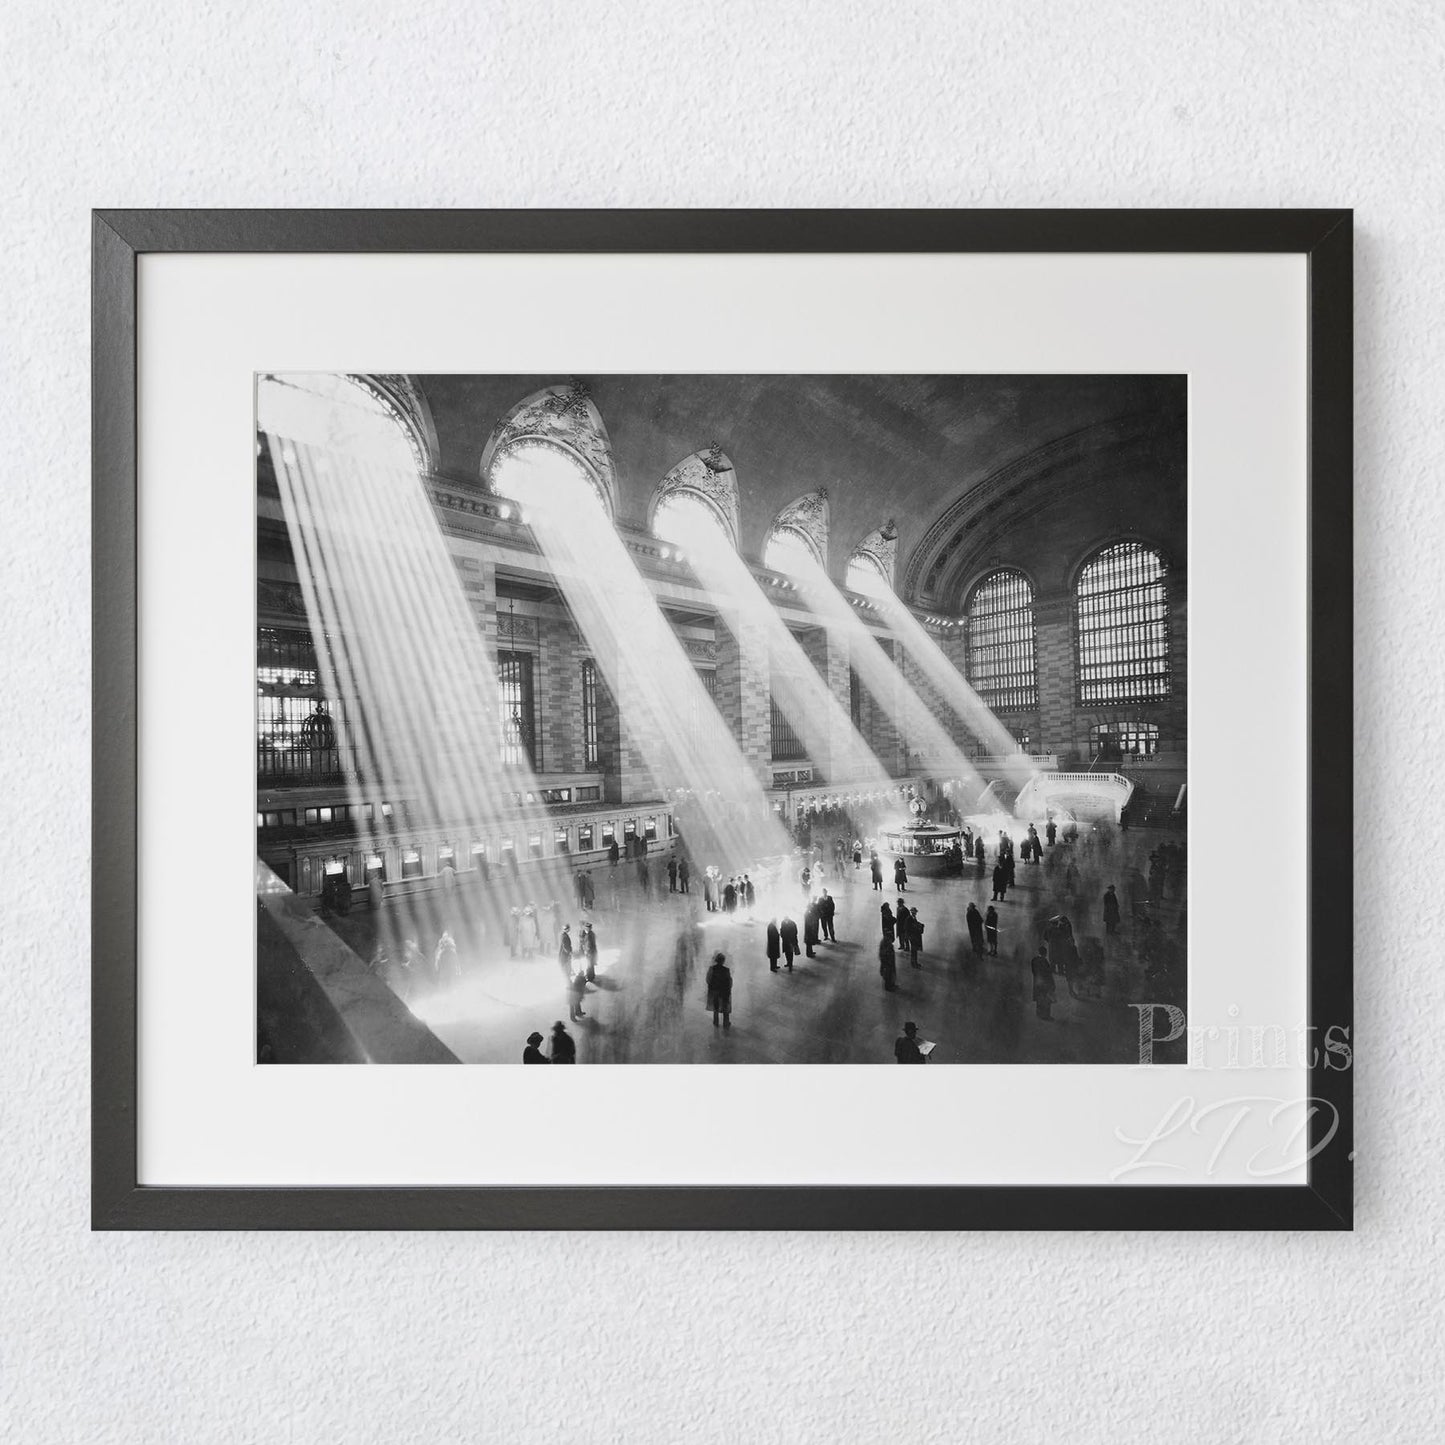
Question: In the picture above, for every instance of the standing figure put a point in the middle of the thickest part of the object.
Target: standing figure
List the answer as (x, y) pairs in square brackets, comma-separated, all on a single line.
[(1111, 910), (684, 874), (810, 929), (576, 990), (444, 962), (1051, 830), (1033, 845), (564, 952), (749, 893), (975, 928), (990, 930), (876, 868), (788, 937), (905, 1046), (1000, 882), (672, 875), (589, 891), (915, 935), (730, 896), (533, 1054), (720, 990), (857, 853), (887, 964), (1044, 987), (826, 909), (564, 1046), (530, 938), (885, 913), (900, 875), (775, 947), (1008, 869)]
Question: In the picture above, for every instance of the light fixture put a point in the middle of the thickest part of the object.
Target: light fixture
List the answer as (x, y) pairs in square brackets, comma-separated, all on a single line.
[(504, 512), (665, 553)]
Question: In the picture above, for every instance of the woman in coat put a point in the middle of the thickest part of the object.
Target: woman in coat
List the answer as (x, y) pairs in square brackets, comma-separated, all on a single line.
[(720, 990), (886, 914), (900, 875), (990, 930), (887, 964), (775, 947)]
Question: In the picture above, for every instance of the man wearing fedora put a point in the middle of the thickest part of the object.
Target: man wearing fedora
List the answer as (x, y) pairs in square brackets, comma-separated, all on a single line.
[(905, 1046)]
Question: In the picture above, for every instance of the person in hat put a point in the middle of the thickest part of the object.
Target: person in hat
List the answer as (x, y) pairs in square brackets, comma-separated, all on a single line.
[(564, 1047), (720, 990), (905, 1046), (533, 1054)]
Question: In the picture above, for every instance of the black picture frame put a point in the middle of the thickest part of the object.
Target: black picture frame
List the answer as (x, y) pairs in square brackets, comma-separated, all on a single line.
[(120, 237)]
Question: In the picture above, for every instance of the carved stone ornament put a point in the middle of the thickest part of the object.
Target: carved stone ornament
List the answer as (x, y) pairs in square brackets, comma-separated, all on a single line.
[(565, 416), (808, 515), (881, 548), (710, 476)]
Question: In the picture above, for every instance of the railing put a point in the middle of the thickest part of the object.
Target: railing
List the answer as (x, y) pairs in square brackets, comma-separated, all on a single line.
[(305, 767), (1038, 762), (1110, 790)]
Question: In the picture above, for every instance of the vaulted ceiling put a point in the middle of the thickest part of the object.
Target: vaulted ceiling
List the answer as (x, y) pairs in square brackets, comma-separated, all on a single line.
[(908, 447)]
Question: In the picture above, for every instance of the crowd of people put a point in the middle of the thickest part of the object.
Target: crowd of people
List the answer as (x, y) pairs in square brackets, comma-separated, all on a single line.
[(1081, 900)]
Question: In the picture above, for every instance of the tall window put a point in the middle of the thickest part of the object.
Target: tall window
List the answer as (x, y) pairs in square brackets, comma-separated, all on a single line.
[(855, 698), (519, 737), (1002, 648), (1123, 627), (589, 713), (786, 743)]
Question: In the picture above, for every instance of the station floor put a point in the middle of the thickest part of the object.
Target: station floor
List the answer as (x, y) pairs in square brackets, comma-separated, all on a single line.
[(648, 1004)]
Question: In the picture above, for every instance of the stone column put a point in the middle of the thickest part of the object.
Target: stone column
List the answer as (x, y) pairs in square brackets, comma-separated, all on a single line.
[(879, 730), (559, 694), (743, 690), (624, 726), (830, 658), (1054, 623)]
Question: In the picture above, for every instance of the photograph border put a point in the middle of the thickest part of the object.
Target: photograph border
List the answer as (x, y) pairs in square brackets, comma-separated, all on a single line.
[(119, 1201)]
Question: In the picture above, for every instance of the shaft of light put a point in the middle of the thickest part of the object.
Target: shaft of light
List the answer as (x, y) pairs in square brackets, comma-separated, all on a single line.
[(882, 678), (953, 687), (688, 750), (805, 699)]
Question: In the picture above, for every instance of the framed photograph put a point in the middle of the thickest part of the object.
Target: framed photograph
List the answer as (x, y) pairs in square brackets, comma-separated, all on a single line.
[(734, 653)]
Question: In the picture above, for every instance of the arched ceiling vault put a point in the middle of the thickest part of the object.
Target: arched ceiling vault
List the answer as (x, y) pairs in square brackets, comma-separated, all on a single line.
[(908, 447)]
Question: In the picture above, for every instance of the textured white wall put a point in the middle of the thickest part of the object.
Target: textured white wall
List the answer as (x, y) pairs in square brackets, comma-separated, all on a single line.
[(698, 102)]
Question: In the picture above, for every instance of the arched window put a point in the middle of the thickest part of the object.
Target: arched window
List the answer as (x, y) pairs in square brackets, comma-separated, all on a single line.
[(1123, 627), (542, 475), (696, 503), (865, 575), (790, 552), (1002, 648), (1114, 740), (690, 522), (340, 415)]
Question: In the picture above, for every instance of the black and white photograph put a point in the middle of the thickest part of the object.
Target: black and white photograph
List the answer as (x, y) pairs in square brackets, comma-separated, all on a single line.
[(721, 719)]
